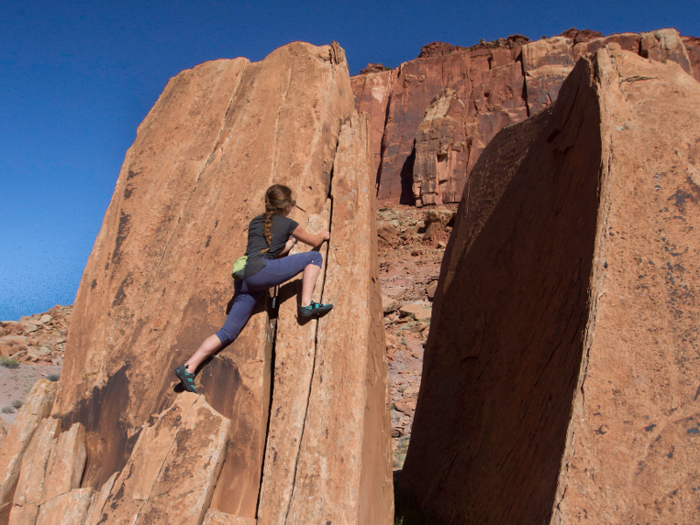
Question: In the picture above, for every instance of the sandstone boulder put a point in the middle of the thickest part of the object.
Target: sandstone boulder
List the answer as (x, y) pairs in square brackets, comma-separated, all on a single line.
[(36, 406), (70, 508), (66, 463), (157, 283), (158, 279), (12, 344), (417, 311), (171, 473), (372, 96), (30, 485), (557, 336), (343, 472)]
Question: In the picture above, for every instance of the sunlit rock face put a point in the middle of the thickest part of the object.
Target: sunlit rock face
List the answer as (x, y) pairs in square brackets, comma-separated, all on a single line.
[(293, 417)]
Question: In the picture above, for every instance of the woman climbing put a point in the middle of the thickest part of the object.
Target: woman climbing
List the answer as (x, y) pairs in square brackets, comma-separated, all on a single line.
[(270, 236)]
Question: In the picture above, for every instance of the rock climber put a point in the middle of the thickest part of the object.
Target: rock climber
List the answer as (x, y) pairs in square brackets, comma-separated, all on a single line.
[(270, 236)]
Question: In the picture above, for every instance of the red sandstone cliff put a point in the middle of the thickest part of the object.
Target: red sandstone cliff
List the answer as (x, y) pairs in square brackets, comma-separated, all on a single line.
[(560, 375), (498, 83)]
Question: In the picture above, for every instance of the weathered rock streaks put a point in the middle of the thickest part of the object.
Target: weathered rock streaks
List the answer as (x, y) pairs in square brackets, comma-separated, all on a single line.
[(287, 400), (571, 371), (499, 83)]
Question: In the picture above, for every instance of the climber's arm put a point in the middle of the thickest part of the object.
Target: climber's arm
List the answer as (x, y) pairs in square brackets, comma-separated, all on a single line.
[(312, 239)]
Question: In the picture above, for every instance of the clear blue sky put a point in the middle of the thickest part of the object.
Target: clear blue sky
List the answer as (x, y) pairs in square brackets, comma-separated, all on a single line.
[(77, 77)]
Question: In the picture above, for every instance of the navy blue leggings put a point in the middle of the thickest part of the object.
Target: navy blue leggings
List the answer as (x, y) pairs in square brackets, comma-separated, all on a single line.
[(249, 290)]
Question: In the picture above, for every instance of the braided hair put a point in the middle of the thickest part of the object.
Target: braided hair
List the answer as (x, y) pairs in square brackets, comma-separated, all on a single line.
[(277, 199)]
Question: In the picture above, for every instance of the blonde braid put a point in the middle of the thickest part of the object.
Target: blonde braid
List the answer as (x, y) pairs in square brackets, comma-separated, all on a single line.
[(277, 198)]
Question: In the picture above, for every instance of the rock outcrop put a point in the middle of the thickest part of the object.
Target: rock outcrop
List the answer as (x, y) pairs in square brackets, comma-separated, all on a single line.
[(40, 338), (440, 150), (500, 83), (35, 408), (157, 284), (560, 374)]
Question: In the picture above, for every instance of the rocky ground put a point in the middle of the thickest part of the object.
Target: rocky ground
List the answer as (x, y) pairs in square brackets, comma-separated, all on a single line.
[(411, 245), (30, 348)]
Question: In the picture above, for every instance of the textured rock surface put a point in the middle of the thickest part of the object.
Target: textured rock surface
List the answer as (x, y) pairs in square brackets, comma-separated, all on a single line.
[(488, 79), (39, 338), (441, 151), (156, 285), (64, 469), (98, 502), (157, 281), (343, 473), (172, 471), (30, 485), (214, 517), (4, 429), (692, 47), (372, 96), (575, 240), (70, 508), (36, 407)]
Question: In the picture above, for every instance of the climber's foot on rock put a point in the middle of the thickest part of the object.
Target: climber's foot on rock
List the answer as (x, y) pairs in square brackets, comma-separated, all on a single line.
[(186, 378), (313, 309)]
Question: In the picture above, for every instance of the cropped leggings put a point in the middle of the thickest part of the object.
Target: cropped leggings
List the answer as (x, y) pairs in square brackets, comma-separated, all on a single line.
[(249, 290)]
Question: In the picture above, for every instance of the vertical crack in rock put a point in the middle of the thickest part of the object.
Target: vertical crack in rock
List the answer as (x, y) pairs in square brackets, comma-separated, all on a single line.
[(315, 347)]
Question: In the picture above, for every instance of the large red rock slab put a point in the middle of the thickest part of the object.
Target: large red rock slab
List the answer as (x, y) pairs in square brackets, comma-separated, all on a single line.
[(564, 388), (295, 354), (36, 407), (172, 471), (158, 279), (30, 485), (343, 472), (631, 447), (372, 92)]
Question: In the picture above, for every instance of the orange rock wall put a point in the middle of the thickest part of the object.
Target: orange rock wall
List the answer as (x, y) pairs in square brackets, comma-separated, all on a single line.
[(499, 83), (570, 369), (157, 284)]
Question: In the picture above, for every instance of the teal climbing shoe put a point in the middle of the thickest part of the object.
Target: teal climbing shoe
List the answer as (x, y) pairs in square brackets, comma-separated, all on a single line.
[(314, 309), (186, 378)]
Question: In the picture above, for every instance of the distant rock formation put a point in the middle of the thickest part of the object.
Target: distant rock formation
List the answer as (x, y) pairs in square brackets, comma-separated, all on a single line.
[(500, 83), (560, 377), (293, 424)]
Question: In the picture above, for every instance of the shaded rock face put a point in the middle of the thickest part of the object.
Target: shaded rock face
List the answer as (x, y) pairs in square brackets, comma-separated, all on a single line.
[(572, 240), (157, 284), (500, 83)]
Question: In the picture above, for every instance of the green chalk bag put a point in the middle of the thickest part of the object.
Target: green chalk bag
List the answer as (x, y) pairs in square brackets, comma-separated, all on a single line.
[(239, 268)]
